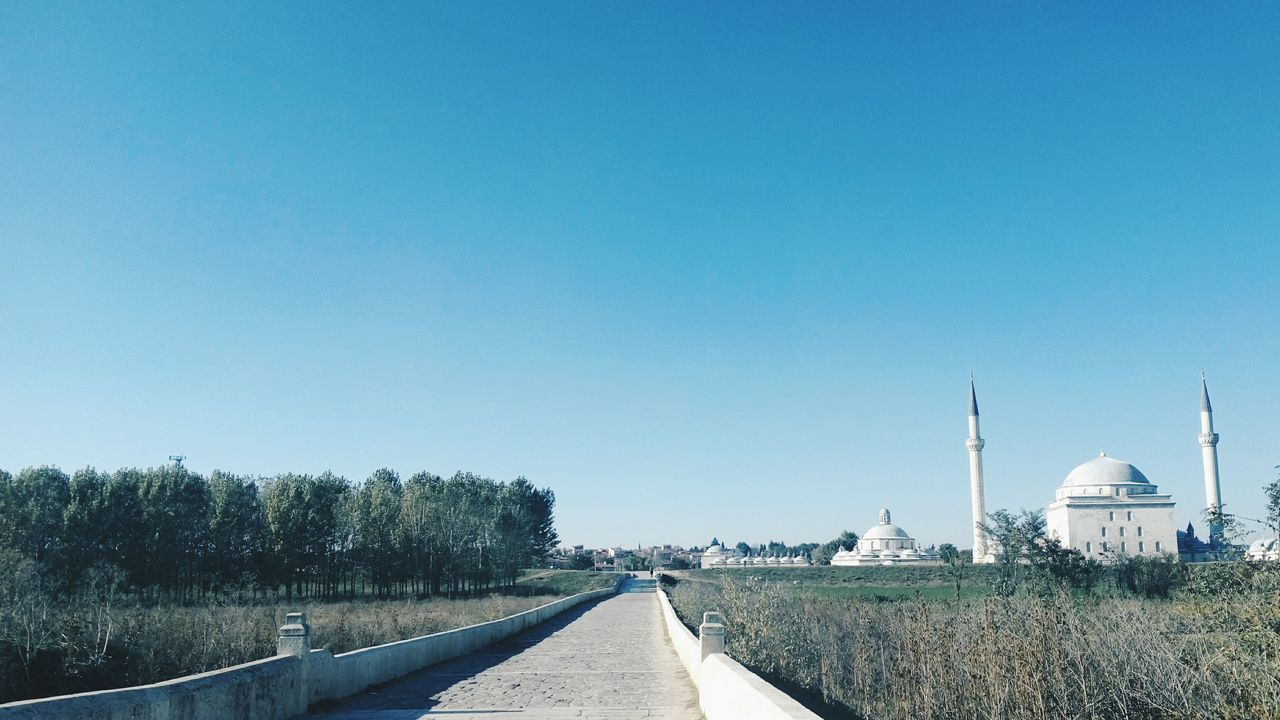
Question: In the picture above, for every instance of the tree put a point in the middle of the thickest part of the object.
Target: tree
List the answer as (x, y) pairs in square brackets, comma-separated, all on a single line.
[(237, 529), (582, 561), (284, 498), (378, 504), (1012, 536), (635, 562), (1230, 529), (822, 555), (83, 527), (31, 507), (1272, 491), (417, 507), (175, 507), (956, 563), (742, 549), (714, 541)]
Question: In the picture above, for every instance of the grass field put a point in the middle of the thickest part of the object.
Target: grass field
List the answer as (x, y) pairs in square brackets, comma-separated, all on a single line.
[(889, 583), (562, 582), (895, 644)]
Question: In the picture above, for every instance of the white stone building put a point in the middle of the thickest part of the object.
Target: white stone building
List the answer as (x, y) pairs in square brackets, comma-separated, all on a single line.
[(717, 557), (884, 544), (1107, 507), (1267, 549)]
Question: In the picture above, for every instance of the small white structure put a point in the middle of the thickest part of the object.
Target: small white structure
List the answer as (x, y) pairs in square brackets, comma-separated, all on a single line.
[(714, 555), (884, 544), (1107, 507), (1267, 549)]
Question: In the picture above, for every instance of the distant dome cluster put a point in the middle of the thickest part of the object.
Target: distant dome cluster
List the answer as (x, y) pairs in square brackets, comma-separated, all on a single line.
[(717, 557)]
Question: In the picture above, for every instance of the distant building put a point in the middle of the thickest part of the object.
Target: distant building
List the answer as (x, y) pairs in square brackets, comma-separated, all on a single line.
[(716, 557), (885, 544), (1267, 549), (1107, 507)]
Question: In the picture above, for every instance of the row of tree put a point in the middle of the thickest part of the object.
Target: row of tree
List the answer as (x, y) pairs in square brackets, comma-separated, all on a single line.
[(171, 534)]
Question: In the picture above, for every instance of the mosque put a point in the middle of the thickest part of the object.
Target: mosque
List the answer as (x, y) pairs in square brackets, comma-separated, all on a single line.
[(1106, 507), (885, 544)]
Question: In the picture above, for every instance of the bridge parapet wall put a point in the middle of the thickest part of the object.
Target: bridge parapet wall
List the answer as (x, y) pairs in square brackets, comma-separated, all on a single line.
[(284, 686), (268, 689), (335, 676), (726, 689)]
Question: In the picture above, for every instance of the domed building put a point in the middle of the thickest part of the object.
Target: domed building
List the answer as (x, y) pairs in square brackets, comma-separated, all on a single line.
[(884, 544), (1264, 549), (717, 556), (1107, 507)]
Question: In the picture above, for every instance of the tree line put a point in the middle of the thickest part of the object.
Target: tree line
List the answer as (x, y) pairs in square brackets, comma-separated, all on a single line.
[(173, 535)]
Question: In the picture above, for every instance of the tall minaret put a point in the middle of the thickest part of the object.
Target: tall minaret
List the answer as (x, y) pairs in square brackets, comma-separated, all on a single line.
[(1209, 453), (975, 444)]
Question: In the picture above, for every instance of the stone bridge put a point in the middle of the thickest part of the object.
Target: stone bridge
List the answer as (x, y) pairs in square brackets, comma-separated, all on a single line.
[(615, 653), (607, 659)]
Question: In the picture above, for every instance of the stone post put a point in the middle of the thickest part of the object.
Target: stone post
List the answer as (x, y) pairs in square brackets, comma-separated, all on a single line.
[(295, 636), (711, 634)]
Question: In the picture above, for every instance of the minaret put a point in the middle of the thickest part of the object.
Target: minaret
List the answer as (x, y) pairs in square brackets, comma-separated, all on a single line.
[(975, 444), (1209, 453)]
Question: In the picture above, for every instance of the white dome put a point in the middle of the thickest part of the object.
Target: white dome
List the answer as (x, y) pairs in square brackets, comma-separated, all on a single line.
[(1104, 470), (886, 531)]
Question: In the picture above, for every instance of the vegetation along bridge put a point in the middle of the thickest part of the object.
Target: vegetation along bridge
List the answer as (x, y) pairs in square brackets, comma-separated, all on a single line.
[(618, 652)]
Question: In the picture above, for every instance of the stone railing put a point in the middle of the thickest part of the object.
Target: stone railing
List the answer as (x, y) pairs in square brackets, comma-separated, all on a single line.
[(284, 686), (726, 689)]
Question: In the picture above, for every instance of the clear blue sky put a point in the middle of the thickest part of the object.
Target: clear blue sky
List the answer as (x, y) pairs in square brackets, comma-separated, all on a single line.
[(704, 269)]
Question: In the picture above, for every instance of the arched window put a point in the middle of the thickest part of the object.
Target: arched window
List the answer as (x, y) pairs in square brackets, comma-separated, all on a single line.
[(1088, 547), (1140, 548), (1121, 547), (1139, 531), (1129, 516), (1111, 517), (1157, 546), (1104, 531), (1121, 531)]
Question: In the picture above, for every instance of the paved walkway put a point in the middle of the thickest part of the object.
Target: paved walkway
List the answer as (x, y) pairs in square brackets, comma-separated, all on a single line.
[(609, 659)]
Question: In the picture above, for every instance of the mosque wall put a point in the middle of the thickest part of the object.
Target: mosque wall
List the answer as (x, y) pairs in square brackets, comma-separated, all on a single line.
[(1098, 531)]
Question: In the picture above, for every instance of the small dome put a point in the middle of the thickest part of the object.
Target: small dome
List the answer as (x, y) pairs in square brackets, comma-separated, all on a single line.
[(885, 530), (715, 549), (1104, 470)]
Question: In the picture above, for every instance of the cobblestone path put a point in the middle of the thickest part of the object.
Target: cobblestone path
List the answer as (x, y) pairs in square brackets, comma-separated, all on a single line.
[(609, 659)]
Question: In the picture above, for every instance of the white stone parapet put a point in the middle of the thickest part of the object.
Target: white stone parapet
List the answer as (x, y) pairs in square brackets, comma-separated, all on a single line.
[(726, 689), (284, 686)]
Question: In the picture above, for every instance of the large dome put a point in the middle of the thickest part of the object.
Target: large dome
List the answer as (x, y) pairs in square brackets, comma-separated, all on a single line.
[(881, 532), (1104, 470)]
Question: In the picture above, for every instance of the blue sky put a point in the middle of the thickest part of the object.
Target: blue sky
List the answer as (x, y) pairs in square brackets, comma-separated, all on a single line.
[(713, 269)]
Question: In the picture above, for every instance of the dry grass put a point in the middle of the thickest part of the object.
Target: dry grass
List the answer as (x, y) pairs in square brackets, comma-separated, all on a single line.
[(145, 645), (1029, 657)]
